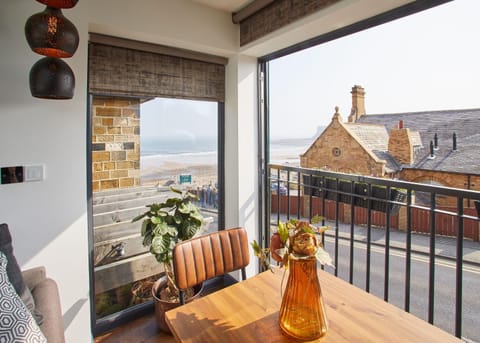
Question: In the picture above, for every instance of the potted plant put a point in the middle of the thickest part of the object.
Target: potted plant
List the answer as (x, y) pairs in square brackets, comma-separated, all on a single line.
[(164, 225)]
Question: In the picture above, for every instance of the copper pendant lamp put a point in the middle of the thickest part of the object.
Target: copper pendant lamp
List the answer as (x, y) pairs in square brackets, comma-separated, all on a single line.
[(59, 3), (51, 34), (52, 78)]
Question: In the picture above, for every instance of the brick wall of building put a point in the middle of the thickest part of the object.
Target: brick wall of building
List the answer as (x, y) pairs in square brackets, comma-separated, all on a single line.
[(115, 143), (400, 145), (454, 180), (336, 150)]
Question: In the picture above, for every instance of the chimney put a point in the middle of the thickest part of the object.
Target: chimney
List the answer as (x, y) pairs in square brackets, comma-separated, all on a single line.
[(358, 103), (432, 154), (400, 144)]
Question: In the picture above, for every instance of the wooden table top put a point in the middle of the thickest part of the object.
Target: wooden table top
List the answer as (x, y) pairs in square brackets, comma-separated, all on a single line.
[(248, 312)]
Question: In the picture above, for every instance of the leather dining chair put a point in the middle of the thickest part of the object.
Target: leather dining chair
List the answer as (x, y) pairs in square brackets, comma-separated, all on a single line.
[(208, 256)]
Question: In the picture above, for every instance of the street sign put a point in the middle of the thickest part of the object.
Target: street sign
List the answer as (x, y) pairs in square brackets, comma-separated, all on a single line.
[(185, 178)]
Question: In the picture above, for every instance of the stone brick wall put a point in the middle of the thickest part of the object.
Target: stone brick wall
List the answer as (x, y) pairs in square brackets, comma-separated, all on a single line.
[(454, 180), (336, 150), (400, 145), (115, 143)]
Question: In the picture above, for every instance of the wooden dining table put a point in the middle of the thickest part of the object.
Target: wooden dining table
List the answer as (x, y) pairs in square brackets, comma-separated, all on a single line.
[(248, 312)]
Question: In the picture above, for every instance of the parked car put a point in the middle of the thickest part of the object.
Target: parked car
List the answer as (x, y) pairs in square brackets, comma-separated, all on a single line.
[(282, 189)]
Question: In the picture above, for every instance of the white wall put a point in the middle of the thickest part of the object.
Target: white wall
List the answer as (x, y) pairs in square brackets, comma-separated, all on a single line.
[(48, 219), (241, 157)]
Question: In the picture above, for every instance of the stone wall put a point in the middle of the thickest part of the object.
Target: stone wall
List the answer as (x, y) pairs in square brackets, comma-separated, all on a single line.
[(336, 150), (454, 180), (400, 145), (115, 143)]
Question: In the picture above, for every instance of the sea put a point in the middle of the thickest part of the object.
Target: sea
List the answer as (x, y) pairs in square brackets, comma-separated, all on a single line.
[(204, 150)]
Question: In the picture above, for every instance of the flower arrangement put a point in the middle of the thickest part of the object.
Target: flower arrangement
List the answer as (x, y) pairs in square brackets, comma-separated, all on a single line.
[(295, 245), (294, 239)]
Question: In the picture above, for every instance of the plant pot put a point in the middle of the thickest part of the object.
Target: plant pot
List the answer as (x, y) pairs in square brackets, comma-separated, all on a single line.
[(142, 291), (332, 186), (162, 306)]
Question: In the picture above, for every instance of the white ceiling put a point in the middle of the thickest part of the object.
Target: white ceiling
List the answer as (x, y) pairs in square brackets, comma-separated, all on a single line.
[(230, 6)]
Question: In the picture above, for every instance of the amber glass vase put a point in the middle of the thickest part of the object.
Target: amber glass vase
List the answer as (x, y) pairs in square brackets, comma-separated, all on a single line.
[(302, 314)]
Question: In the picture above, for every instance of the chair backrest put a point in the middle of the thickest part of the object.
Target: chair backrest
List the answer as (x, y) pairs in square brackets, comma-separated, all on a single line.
[(205, 257)]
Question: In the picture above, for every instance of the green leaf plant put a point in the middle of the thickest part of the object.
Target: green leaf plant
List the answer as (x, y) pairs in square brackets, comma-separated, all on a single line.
[(167, 223)]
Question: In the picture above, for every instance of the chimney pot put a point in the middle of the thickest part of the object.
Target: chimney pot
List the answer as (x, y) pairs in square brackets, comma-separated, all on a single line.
[(432, 154), (400, 124)]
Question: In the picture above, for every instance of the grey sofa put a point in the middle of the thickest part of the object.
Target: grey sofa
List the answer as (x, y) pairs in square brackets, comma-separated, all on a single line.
[(47, 301)]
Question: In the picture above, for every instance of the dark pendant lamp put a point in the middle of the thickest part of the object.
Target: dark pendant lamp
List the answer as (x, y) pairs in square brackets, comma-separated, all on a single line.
[(52, 78), (49, 33), (59, 3)]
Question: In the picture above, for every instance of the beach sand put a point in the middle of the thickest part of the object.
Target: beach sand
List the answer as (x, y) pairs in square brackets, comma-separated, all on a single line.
[(164, 171), (168, 171)]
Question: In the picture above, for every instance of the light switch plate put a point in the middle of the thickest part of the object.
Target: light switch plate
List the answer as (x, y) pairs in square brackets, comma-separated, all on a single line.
[(34, 173)]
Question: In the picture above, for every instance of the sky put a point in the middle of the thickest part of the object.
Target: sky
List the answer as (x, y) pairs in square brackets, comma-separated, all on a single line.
[(426, 61), (177, 118)]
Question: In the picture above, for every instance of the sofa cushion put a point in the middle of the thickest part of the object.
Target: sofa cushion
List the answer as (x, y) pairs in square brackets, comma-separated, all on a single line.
[(14, 273), (13, 270), (27, 299), (18, 324)]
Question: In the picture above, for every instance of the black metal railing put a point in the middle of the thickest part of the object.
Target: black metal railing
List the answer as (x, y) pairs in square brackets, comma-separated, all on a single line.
[(341, 199)]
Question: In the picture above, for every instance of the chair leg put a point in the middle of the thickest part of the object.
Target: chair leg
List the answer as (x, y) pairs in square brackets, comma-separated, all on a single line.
[(181, 295), (244, 274)]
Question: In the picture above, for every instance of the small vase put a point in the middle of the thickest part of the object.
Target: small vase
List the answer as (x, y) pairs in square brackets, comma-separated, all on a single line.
[(302, 314)]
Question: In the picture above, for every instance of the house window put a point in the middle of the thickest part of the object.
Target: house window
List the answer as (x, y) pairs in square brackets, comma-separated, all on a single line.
[(336, 152), (163, 128)]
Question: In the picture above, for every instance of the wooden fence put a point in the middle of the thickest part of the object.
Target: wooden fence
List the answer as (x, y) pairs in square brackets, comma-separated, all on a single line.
[(445, 224)]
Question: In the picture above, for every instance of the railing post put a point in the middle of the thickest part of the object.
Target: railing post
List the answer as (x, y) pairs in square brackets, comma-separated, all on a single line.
[(387, 245), (408, 257), (459, 269), (369, 236), (431, 281), (352, 232)]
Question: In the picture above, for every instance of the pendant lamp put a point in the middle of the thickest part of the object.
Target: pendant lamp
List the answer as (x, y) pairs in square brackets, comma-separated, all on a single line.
[(59, 3), (51, 34), (52, 78)]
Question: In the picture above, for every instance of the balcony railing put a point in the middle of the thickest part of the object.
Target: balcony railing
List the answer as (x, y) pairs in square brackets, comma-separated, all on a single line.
[(354, 201)]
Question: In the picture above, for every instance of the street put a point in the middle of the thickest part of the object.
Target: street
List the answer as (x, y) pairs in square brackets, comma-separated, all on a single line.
[(444, 315)]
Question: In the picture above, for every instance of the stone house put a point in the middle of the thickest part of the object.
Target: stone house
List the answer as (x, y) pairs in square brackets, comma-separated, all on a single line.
[(435, 147)]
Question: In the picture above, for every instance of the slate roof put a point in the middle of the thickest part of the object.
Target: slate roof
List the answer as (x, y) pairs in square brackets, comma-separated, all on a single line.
[(466, 125), (375, 139)]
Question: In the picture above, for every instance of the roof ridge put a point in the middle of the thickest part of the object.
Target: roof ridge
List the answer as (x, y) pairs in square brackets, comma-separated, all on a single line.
[(424, 112)]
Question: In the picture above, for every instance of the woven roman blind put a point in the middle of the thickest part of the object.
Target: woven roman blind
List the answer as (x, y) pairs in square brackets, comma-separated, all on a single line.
[(276, 15), (123, 67)]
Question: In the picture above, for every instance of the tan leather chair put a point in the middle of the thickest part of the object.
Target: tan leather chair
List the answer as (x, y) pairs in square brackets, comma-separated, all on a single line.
[(205, 257)]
